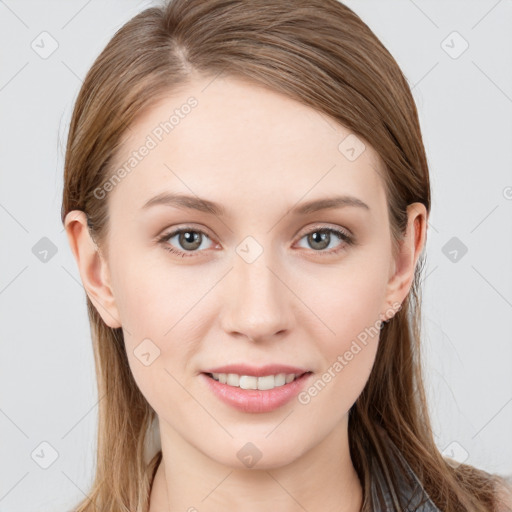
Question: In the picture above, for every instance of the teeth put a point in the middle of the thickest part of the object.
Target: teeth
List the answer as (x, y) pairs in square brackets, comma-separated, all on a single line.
[(252, 382)]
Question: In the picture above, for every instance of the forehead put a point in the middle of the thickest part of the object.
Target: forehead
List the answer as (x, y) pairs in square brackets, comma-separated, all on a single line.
[(228, 138)]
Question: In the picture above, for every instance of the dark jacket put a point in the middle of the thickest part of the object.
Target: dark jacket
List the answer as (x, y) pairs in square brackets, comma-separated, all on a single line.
[(412, 497)]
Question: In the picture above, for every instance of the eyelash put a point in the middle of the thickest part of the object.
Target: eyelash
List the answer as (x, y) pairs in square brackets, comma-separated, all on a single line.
[(345, 237)]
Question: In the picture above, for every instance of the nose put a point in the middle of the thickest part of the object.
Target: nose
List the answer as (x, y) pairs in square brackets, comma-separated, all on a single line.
[(258, 303)]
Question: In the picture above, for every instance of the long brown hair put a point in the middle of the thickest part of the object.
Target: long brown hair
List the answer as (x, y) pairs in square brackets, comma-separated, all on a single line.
[(320, 53)]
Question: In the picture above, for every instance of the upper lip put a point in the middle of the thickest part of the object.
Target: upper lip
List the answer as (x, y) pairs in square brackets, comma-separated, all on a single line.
[(257, 371)]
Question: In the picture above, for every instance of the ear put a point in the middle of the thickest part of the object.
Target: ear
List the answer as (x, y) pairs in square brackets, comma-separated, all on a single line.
[(92, 267), (404, 264)]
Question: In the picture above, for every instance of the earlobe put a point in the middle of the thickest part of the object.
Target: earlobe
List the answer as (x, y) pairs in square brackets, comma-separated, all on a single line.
[(409, 252), (92, 267)]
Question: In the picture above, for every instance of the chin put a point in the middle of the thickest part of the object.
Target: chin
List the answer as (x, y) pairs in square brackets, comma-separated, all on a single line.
[(260, 453)]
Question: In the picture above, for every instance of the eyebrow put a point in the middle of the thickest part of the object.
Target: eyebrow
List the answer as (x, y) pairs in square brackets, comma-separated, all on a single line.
[(206, 206)]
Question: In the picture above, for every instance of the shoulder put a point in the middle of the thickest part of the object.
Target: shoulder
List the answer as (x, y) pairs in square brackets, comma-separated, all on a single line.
[(504, 495)]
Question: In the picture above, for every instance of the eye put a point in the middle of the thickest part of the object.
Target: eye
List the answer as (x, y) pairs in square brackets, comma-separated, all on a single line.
[(188, 238), (320, 238)]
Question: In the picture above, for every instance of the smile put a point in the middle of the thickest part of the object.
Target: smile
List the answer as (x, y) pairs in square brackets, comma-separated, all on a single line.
[(251, 382), (251, 394)]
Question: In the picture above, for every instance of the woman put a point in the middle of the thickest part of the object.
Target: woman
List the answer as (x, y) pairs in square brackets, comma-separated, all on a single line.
[(246, 195)]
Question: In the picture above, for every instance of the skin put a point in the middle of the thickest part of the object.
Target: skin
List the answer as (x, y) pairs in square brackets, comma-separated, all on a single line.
[(257, 153)]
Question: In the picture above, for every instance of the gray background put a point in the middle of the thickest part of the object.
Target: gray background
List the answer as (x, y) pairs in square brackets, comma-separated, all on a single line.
[(46, 365)]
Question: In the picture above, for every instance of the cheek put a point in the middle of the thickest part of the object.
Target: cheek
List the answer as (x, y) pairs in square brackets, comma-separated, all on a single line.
[(347, 356), (150, 296), (351, 309), (353, 301), (153, 302)]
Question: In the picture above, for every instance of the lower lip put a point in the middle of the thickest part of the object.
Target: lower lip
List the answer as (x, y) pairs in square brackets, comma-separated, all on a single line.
[(256, 400)]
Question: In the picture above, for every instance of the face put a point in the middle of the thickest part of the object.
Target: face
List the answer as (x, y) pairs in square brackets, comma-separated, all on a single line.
[(258, 279)]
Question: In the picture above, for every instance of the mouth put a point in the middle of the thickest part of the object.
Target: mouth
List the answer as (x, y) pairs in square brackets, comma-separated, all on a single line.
[(256, 394), (262, 383)]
